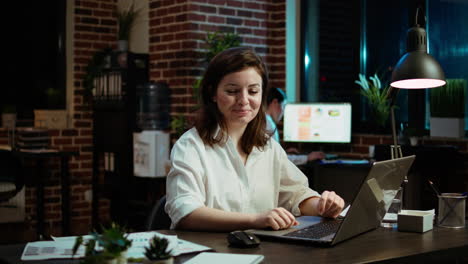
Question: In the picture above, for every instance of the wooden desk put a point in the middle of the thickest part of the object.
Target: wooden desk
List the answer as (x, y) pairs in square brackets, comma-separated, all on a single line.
[(441, 245), (383, 245), (39, 157)]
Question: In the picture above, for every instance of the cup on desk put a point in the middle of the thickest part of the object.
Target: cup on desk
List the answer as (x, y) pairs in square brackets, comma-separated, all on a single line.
[(451, 210), (390, 218), (396, 205)]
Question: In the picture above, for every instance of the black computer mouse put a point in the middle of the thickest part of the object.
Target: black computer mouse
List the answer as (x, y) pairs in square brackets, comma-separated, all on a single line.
[(242, 239)]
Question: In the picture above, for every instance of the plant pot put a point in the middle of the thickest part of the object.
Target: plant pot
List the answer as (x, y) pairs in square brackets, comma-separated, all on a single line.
[(122, 259), (413, 141), (122, 45), (161, 261), (447, 127)]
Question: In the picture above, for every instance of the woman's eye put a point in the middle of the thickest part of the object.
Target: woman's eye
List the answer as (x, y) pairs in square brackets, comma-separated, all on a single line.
[(231, 91), (253, 92)]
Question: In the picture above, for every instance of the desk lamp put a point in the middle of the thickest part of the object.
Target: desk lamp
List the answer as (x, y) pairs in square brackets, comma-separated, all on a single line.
[(415, 70)]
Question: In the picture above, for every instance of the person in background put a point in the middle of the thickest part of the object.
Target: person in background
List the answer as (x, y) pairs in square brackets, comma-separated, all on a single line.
[(226, 172), (276, 101)]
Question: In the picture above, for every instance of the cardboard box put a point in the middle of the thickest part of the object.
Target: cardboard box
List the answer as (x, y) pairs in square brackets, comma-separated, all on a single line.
[(415, 221), (55, 119)]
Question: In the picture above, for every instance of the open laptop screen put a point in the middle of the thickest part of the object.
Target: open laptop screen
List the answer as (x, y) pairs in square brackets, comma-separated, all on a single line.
[(317, 122)]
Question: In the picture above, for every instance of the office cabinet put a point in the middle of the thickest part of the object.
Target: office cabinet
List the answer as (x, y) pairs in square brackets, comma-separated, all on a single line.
[(114, 111)]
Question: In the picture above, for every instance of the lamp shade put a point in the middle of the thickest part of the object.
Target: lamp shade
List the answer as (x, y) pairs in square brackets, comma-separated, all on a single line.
[(417, 69)]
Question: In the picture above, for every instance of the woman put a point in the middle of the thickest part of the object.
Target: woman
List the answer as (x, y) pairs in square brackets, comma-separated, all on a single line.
[(227, 173)]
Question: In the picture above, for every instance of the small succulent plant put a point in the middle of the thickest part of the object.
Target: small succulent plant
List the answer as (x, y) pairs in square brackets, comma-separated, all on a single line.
[(157, 249), (111, 244)]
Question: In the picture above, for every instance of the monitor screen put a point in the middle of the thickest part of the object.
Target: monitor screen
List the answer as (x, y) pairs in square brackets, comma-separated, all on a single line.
[(317, 122)]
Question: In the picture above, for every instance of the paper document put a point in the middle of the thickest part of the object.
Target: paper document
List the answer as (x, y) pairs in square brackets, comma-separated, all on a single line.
[(345, 211), (225, 258), (41, 250), (61, 247)]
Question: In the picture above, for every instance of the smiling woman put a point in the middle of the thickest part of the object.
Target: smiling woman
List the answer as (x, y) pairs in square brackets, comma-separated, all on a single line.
[(226, 68), (226, 172)]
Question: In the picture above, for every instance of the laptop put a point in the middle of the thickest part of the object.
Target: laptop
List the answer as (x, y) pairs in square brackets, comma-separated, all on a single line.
[(369, 206)]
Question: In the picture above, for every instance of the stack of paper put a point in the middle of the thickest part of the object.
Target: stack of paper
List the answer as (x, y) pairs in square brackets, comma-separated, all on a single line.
[(61, 247)]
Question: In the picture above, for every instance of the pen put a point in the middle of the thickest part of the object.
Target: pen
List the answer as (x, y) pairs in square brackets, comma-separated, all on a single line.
[(434, 188)]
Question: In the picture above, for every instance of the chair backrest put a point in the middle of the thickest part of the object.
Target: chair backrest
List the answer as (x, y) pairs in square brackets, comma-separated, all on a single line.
[(158, 218)]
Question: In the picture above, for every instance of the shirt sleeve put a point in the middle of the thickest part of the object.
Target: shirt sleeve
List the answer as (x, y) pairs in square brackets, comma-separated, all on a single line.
[(297, 159), (294, 186), (184, 183)]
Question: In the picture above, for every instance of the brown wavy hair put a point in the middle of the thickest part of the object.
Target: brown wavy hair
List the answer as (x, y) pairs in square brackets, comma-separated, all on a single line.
[(209, 117)]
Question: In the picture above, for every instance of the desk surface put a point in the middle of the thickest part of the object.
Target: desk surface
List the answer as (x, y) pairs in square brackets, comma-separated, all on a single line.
[(380, 245)]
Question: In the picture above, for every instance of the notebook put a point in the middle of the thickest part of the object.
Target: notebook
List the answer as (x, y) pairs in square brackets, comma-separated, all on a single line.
[(365, 213), (225, 258)]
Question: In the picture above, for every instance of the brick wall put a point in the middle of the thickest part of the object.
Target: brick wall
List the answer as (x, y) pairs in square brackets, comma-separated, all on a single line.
[(95, 28), (178, 30)]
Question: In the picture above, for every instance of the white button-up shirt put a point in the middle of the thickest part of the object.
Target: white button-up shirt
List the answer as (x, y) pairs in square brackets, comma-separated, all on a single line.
[(271, 126), (216, 177)]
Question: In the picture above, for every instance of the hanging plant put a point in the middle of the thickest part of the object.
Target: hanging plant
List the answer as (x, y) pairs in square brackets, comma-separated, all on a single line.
[(218, 42)]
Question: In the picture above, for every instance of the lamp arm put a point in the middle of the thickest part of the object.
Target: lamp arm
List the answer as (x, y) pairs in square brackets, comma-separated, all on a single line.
[(416, 17), (392, 95), (395, 149)]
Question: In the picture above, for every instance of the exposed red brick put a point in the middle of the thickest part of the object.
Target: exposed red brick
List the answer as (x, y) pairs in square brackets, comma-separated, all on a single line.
[(62, 141)]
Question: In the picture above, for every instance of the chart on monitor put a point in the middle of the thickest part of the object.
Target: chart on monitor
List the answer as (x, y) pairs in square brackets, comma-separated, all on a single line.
[(317, 122)]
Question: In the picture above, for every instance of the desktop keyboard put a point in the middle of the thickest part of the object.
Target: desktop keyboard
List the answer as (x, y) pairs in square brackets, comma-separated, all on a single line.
[(317, 231)]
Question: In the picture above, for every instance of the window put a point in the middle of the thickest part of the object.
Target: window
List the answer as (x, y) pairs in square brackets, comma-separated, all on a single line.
[(340, 39), (35, 56), (448, 41), (330, 52)]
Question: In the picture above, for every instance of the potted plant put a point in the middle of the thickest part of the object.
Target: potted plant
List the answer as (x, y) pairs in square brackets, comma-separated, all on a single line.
[(447, 104), (126, 19), (157, 252), (376, 96), (109, 247)]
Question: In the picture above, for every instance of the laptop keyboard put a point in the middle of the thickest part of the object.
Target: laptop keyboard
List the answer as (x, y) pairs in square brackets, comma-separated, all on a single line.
[(317, 231)]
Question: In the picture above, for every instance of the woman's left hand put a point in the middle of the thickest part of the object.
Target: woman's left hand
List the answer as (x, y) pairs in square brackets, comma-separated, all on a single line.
[(330, 204)]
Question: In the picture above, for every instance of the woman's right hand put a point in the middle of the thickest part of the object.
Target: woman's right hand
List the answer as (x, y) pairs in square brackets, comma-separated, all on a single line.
[(277, 219)]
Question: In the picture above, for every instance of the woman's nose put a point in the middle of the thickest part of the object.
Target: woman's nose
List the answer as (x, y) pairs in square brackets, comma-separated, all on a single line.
[(242, 98)]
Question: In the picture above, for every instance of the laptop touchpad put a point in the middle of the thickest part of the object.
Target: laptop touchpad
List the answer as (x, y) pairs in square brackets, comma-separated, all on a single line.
[(304, 221)]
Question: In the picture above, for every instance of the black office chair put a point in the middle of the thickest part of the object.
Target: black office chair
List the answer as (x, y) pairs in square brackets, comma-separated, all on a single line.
[(11, 176), (158, 218)]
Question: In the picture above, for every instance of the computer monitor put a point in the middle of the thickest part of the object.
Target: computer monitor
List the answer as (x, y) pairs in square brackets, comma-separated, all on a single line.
[(317, 122)]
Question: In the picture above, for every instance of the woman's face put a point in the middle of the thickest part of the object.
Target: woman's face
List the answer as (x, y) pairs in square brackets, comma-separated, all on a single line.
[(239, 97)]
